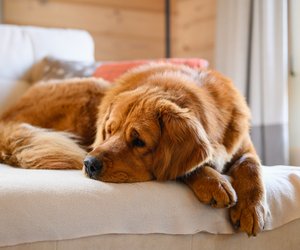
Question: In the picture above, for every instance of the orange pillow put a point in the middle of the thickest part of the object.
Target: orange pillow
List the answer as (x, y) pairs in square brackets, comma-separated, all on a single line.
[(112, 70)]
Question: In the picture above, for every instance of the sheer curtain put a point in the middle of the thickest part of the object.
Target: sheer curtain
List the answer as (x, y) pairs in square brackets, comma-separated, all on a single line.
[(294, 82), (251, 48)]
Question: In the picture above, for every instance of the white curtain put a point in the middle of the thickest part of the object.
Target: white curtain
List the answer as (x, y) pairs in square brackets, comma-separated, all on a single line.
[(251, 48), (294, 82)]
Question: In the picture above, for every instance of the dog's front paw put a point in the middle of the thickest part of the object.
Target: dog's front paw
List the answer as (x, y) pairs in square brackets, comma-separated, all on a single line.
[(211, 187), (216, 192), (247, 218)]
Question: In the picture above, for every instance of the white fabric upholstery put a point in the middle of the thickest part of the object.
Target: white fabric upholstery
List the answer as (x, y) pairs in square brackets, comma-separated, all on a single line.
[(41, 205), (21, 47), (269, 240)]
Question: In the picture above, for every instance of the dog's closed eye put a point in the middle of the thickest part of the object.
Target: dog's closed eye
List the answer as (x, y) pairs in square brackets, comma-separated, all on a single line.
[(138, 143), (136, 140)]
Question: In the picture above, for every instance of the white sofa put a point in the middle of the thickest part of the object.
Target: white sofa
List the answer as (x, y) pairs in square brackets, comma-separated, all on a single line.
[(55, 209)]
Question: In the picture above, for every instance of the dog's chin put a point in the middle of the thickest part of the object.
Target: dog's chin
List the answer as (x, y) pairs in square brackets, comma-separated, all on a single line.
[(118, 177), (122, 178)]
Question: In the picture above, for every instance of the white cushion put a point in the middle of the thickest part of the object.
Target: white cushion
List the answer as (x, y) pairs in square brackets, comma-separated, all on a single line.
[(23, 46), (64, 44), (16, 53), (41, 205)]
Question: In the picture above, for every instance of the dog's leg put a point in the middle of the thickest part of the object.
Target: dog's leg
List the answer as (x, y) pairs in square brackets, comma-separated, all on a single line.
[(211, 187), (27, 146), (249, 214)]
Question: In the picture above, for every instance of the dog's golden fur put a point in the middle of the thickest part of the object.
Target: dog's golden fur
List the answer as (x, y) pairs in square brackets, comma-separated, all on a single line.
[(159, 121)]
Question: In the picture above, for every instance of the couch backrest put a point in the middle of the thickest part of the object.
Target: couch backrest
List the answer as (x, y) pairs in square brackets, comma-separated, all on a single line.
[(22, 46)]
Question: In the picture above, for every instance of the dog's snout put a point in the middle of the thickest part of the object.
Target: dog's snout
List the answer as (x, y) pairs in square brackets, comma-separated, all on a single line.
[(92, 166)]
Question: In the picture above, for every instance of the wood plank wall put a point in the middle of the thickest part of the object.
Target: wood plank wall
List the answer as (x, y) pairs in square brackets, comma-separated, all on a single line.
[(193, 29), (0, 11), (128, 29)]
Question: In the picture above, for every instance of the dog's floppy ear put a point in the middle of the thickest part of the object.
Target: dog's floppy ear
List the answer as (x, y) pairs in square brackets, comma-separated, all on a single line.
[(103, 116), (183, 144)]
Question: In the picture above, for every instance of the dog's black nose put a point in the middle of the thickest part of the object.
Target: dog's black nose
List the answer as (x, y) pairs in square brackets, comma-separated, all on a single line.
[(92, 166)]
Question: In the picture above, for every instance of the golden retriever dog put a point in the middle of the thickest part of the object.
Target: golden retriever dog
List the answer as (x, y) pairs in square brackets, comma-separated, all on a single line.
[(157, 122)]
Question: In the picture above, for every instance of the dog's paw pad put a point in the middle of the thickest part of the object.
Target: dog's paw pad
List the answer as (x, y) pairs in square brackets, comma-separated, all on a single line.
[(237, 225), (213, 202)]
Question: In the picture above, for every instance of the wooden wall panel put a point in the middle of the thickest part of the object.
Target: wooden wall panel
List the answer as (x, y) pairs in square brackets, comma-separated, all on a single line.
[(1, 11), (128, 29), (193, 29), (124, 47), (116, 30), (148, 5)]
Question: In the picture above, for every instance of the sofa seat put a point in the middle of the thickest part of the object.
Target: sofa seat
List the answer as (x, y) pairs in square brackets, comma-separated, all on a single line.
[(48, 205)]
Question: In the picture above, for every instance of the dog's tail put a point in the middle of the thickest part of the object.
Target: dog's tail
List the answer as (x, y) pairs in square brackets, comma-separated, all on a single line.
[(27, 146)]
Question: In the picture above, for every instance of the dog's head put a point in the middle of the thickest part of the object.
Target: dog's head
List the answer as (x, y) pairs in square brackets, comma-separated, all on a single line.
[(143, 135)]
